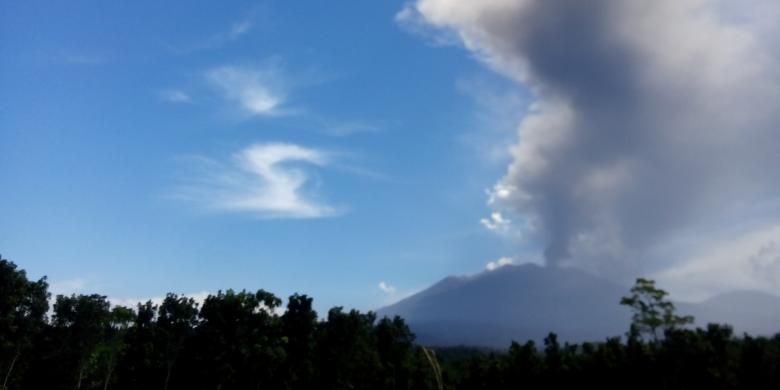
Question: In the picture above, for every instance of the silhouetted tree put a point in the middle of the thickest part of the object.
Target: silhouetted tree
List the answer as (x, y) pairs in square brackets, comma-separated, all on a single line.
[(299, 326), (176, 320), (346, 350), (241, 337), (141, 365), (113, 345), (23, 307), (82, 321), (653, 313)]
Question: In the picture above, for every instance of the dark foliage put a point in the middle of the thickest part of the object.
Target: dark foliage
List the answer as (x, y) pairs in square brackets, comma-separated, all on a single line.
[(244, 340)]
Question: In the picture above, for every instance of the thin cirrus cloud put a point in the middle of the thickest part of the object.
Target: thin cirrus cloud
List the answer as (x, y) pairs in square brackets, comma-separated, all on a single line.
[(217, 40), (264, 90), (238, 29), (258, 91), (175, 96), (83, 59), (344, 129), (266, 180)]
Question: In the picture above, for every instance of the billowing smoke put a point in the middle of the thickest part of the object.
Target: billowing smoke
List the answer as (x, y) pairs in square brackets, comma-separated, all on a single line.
[(652, 118)]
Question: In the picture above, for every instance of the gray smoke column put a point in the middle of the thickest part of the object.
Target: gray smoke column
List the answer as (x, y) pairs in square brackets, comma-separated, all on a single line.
[(652, 118)]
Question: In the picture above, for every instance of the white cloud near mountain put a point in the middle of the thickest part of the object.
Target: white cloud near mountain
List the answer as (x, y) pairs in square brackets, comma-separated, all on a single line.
[(496, 222), (386, 288), (500, 262)]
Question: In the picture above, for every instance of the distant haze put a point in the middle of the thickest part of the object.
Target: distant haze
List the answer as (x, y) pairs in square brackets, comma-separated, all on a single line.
[(527, 302)]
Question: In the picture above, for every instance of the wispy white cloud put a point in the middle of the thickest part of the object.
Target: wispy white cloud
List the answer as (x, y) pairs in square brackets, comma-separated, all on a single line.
[(496, 222), (344, 129), (82, 58), (219, 39), (265, 89), (413, 22), (498, 193), (386, 288), (498, 109), (175, 96), (260, 181), (257, 91), (239, 28), (493, 265)]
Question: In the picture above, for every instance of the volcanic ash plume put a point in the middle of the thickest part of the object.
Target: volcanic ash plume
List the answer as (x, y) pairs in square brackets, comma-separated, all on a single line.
[(653, 119)]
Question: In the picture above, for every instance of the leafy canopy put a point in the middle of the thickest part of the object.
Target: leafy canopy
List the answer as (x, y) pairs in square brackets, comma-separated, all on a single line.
[(652, 311)]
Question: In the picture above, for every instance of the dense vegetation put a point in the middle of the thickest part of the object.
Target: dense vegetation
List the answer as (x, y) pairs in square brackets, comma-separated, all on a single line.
[(245, 340)]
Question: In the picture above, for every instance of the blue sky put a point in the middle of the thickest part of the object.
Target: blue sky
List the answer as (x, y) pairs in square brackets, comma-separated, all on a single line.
[(314, 147)]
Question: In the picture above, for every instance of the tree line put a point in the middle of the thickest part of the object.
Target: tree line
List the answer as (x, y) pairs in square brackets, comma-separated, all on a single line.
[(247, 340)]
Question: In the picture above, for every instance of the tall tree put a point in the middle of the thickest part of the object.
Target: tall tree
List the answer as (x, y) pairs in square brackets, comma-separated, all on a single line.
[(84, 321), (140, 366), (394, 344), (176, 320), (299, 324), (653, 313), (119, 321), (241, 339), (23, 307), (346, 350)]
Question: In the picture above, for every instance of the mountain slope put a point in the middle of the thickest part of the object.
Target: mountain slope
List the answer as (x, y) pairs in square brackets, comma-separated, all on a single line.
[(514, 302), (528, 301)]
